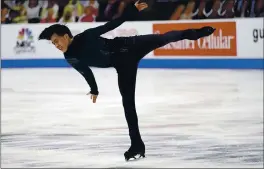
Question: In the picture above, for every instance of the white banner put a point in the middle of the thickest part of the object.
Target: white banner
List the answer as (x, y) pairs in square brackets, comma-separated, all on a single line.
[(250, 37), (234, 38), (20, 41)]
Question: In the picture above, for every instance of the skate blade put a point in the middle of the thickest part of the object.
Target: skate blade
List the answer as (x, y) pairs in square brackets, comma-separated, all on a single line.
[(135, 158)]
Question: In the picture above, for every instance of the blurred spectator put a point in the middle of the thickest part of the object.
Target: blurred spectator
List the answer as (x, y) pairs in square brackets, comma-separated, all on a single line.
[(33, 8), (179, 7), (192, 9), (75, 8), (206, 9), (61, 4), (67, 16), (227, 9), (197, 12), (18, 13), (210, 10), (92, 3), (249, 8), (176, 15), (113, 9), (258, 8), (90, 11), (187, 13), (50, 16), (163, 10), (4, 13), (49, 12), (242, 9), (89, 15)]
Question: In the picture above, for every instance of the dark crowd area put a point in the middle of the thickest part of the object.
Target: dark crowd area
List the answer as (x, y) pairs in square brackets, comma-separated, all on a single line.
[(65, 11)]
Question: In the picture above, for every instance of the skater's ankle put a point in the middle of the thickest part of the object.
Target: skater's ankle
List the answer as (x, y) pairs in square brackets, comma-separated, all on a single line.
[(137, 142)]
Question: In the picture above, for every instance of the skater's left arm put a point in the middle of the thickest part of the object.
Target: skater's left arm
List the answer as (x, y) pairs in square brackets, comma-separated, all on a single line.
[(131, 12)]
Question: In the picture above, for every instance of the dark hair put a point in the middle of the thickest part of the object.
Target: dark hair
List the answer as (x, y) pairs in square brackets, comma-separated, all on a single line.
[(58, 29)]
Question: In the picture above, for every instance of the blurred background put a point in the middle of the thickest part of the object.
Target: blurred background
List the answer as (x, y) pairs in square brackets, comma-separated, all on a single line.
[(196, 107), (50, 11)]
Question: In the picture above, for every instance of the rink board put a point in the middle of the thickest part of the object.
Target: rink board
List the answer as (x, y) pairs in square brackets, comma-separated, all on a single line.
[(149, 63), (236, 44)]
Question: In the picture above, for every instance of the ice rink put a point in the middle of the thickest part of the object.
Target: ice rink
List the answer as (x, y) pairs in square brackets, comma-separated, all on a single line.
[(188, 118)]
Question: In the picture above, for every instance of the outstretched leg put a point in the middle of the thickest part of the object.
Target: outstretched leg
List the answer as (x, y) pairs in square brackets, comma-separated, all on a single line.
[(127, 83), (146, 43)]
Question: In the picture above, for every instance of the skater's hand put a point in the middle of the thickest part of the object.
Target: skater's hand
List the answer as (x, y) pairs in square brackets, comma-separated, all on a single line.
[(141, 6), (93, 97)]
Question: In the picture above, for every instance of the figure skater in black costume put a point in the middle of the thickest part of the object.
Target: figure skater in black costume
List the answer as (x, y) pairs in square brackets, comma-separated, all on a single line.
[(123, 53)]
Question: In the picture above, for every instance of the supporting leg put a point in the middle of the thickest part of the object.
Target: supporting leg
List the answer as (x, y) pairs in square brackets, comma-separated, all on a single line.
[(127, 84)]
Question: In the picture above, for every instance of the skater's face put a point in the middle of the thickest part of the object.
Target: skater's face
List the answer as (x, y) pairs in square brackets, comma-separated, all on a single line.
[(60, 42)]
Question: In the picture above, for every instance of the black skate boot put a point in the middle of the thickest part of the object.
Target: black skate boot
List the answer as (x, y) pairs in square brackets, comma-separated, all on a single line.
[(195, 34), (134, 150)]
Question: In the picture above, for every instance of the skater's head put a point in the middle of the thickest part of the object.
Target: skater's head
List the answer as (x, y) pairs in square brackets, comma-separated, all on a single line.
[(59, 35)]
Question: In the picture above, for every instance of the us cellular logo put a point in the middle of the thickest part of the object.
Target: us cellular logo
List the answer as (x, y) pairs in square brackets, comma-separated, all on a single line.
[(25, 42)]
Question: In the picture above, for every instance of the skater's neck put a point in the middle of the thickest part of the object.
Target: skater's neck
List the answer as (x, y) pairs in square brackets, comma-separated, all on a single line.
[(70, 41)]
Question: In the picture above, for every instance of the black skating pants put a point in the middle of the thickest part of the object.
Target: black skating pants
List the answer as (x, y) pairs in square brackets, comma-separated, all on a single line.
[(130, 51)]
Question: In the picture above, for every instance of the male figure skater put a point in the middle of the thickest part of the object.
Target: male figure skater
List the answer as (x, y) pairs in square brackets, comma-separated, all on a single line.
[(123, 53)]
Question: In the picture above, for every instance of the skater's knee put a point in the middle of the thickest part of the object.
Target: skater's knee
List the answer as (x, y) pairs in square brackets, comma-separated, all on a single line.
[(128, 102)]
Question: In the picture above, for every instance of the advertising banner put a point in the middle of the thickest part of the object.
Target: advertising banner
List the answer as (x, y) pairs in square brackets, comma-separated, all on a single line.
[(222, 43)]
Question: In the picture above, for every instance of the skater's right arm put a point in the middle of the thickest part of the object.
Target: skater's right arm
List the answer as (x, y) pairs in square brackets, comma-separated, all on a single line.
[(87, 73)]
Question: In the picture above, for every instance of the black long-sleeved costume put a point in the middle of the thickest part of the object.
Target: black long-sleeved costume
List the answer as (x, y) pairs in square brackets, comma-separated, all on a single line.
[(122, 53), (89, 49)]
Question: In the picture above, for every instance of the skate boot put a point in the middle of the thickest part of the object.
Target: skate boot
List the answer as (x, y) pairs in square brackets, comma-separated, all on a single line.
[(134, 150), (195, 34)]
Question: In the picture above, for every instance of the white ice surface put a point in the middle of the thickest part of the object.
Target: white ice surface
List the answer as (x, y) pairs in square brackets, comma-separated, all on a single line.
[(188, 118)]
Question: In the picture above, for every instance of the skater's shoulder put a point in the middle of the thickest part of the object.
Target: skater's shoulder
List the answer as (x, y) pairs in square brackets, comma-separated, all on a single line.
[(78, 38)]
